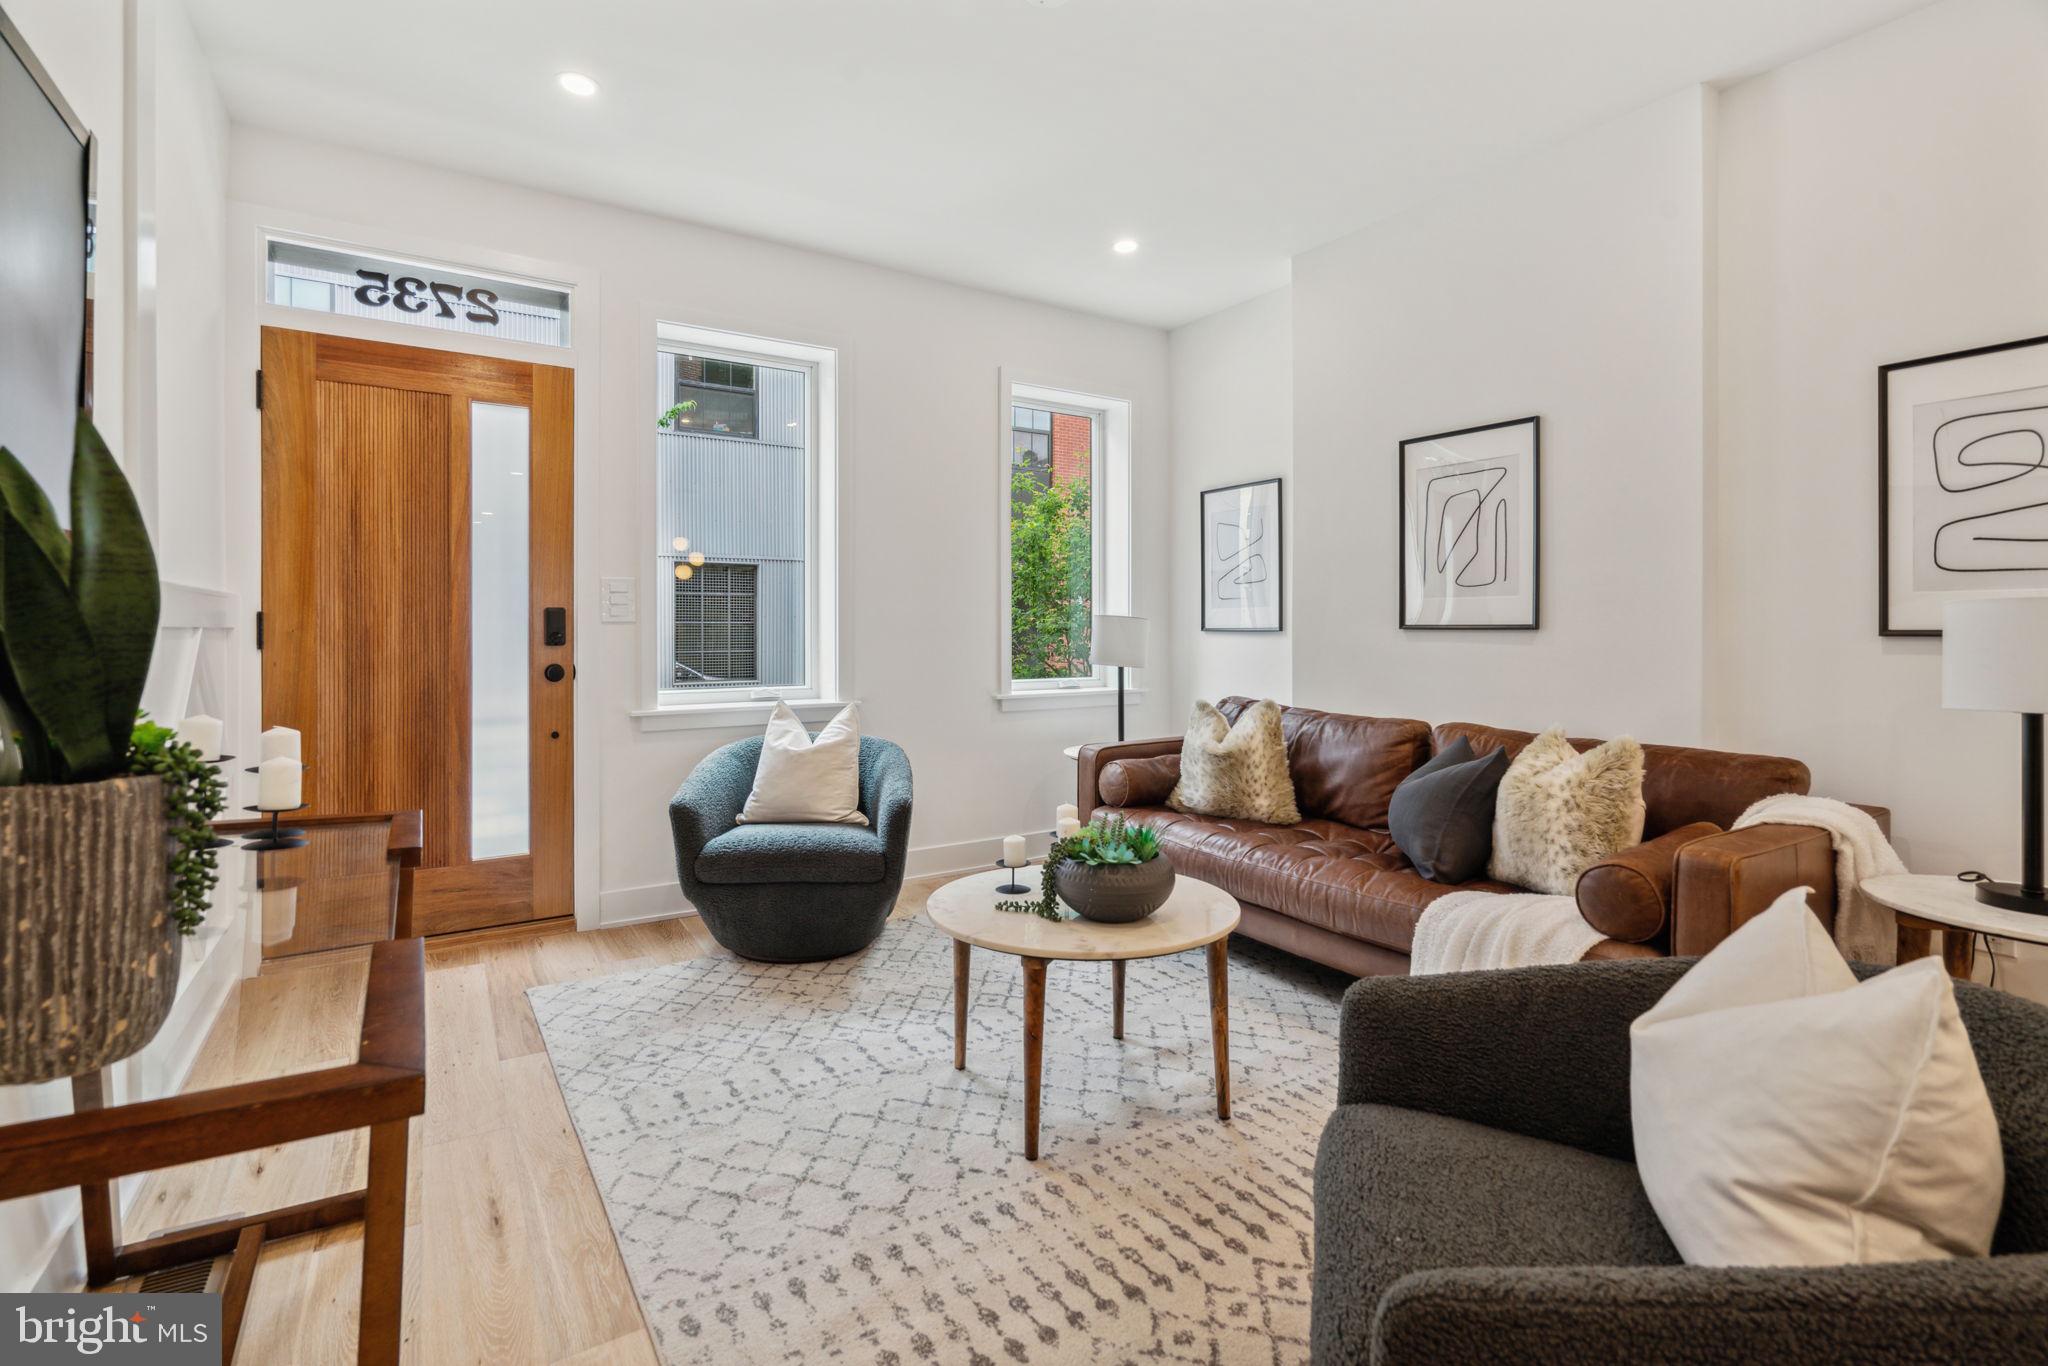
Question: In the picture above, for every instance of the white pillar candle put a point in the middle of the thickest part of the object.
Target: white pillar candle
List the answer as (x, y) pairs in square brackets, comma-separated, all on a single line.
[(1069, 827), (1013, 851), (280, 914), (1067, 812), (279, 742), (277, 783), (203, 734)]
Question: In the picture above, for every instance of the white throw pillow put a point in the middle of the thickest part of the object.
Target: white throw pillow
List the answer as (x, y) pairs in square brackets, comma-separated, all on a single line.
[(804, 781), (1787, 1115), (1558, 812)]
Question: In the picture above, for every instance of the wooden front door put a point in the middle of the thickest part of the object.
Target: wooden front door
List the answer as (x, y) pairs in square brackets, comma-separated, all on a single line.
[(416, 587)]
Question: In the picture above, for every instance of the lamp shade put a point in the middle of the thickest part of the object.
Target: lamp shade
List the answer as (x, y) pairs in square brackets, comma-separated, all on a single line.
[(1120, 640), (1994, 654)]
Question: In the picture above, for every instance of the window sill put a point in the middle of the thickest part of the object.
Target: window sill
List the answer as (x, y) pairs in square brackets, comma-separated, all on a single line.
[(729, 715), (1052, 698)]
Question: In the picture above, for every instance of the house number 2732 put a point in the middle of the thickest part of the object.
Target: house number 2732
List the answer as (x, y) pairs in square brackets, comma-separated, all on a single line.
[(410, 294)]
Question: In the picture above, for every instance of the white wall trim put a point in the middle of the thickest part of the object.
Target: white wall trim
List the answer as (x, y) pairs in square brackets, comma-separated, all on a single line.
[(665, 901), (731, 715)]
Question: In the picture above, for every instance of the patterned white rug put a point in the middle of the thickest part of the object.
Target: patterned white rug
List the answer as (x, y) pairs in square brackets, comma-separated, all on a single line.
[(795, 1172)]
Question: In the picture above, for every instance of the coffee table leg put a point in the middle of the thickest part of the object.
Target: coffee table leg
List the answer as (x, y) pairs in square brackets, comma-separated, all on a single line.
[(1034, 1049), (961, 949), (1219, 1021), (1116, 989)]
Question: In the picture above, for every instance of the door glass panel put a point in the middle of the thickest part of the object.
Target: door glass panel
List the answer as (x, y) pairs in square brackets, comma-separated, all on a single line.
[(499, 654)]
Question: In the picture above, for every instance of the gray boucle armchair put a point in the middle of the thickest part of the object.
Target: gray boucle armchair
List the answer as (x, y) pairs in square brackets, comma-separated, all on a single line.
[(1476, 1197), (791, 893)]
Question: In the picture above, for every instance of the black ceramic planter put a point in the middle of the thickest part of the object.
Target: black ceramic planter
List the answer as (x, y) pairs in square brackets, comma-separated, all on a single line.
[(1115, 893)]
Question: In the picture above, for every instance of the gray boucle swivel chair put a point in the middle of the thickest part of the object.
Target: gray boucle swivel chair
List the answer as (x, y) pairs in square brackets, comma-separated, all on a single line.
[(791, 893), (1476, 1196)]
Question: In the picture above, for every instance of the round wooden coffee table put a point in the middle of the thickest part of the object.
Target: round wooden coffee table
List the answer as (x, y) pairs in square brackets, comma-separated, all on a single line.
[(1197, 915)]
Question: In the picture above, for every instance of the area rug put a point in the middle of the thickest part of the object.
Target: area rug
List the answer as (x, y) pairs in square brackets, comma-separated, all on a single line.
[(796, 1173)]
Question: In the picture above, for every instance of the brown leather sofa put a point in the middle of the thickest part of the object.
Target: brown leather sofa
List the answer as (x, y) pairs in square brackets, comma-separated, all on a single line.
[(1336, 889)]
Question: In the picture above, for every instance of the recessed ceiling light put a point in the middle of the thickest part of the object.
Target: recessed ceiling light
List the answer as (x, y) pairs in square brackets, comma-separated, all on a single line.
[(576, 83), (1124, 246)]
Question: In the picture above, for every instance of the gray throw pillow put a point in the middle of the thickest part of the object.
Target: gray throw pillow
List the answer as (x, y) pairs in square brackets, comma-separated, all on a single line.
[(1442, 813)]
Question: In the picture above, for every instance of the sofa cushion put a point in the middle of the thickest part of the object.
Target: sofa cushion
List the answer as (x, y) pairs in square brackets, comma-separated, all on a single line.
[(1139, 782), (792, 853), (1680, 785), (1442, 813), (1236, 768), (1346, 767), (1323, 873), (1628, 895), (1398, 1191)]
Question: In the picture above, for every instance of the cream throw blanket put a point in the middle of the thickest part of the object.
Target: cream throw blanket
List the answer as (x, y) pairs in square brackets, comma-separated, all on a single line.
[(1864, 930), (1463, 931)]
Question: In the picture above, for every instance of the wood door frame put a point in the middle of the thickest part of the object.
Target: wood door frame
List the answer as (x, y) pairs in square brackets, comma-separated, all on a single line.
[(296, 361)]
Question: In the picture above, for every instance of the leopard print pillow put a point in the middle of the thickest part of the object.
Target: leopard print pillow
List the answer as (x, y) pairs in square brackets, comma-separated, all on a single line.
[(1558, 812), (1236, 771)]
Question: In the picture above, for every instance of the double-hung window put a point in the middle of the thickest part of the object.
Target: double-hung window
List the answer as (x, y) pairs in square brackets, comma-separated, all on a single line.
[(1065, 521), (744, 525)]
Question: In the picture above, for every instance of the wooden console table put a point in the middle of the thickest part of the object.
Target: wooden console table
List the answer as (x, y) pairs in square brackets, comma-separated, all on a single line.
[(381, 1090)]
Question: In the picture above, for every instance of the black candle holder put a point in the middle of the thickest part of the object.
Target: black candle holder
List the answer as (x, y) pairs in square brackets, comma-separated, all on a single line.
[(1012, 887), (278, 837)]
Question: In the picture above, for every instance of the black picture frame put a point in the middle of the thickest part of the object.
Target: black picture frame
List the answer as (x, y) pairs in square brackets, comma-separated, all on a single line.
[(1535, 425), (1279, 558), (1884, 480)]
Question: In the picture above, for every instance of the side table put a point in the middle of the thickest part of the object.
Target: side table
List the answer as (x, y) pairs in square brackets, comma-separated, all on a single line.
[(1925, 904)]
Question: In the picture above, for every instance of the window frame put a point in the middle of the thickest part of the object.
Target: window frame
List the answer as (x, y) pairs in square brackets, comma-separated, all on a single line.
[(1109, 476), (664, 707)]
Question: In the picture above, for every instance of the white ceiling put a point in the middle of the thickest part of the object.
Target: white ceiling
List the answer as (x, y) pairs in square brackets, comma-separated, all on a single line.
[(1001, 143)]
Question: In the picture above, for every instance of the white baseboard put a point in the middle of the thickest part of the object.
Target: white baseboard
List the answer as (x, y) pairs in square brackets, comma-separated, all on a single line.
[(665, 900), (638, 905), (968, 856)]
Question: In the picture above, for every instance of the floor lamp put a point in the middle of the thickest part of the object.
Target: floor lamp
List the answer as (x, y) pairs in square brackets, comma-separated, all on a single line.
[(1994, 657), (1120, 641)]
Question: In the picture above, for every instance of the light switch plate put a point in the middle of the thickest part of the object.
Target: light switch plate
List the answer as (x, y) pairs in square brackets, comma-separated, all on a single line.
[(616, 600)]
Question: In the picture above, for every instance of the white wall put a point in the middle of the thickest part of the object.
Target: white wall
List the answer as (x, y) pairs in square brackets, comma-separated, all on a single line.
[(1881, 200), (1572, 285), (1233, 421), (920, 475), (190, 138), (134, 74)]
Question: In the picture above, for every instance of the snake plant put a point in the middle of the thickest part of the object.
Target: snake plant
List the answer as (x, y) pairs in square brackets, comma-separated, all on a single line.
[(78, 617)]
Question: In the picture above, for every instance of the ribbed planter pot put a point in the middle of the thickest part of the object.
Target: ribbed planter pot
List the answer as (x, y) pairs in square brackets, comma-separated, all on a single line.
[(88, 948), (1115, 893)]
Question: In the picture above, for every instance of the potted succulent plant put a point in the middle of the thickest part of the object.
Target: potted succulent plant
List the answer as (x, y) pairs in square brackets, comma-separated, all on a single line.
[(89, 934), (1108, 871)]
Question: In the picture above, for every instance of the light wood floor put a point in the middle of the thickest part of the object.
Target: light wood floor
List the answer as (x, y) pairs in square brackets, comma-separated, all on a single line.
[(509, 1258)]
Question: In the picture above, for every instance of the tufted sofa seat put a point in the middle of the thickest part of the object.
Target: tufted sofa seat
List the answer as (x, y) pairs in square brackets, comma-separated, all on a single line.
[(1335, 887)]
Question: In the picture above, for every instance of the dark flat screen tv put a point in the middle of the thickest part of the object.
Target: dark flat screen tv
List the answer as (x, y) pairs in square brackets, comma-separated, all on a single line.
[(46, 168)]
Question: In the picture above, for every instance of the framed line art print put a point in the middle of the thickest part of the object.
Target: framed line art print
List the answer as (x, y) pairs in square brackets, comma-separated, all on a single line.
[(1241, 565), (1469, 526), (1962, 481)]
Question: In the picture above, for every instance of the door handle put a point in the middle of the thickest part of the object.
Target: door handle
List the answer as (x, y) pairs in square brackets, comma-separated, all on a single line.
[(554, 673)]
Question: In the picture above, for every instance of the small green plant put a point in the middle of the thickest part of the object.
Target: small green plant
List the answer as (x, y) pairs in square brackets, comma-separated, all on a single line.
[(78, 617), (193, 795), (1103, 842), (668, 419)]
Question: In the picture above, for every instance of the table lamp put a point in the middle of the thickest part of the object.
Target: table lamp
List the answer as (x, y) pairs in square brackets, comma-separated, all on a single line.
[(1994, 657), (1120, 641)]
